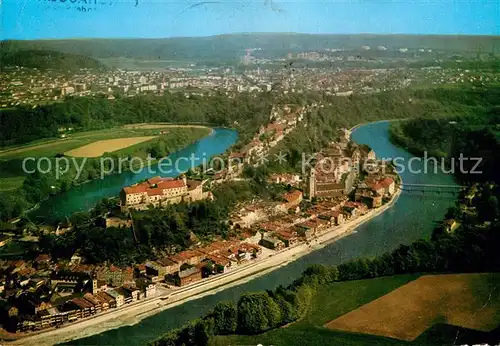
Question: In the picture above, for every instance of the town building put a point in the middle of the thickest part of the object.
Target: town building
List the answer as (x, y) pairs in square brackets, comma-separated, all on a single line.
[(115, 276), (188, 276), (272, 243), (159, 191)]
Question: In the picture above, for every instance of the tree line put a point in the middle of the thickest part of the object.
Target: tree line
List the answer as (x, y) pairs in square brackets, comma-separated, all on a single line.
[(23, 124), (474, 135), (48, 59)]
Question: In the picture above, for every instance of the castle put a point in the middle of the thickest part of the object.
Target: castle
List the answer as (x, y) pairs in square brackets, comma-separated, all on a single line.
[(159, 191)]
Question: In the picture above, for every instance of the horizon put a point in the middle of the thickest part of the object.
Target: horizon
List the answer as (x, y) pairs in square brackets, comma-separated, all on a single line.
[(154, 19), (250, 33)]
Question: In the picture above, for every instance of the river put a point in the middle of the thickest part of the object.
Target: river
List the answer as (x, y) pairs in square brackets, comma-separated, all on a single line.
[(85, 196), (411, 218)]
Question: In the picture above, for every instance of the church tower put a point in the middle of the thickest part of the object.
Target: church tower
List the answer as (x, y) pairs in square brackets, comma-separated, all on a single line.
[(94, 284), (311, 184)]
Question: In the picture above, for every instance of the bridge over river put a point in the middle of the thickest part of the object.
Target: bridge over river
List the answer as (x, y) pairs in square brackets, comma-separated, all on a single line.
[(431, 188)]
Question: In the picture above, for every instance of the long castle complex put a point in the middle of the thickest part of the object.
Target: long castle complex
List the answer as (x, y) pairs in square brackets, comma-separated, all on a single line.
[(159, 191)]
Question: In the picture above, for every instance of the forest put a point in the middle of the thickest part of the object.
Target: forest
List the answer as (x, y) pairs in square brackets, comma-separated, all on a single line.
[(48, 59), (474, 135)]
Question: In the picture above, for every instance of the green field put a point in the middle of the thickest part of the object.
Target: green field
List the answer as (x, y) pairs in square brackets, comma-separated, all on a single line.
[(173, 138), (51, 147), (335, 300)]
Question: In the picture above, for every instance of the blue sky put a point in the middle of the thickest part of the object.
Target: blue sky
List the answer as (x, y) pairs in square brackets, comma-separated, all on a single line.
[(35, 19)]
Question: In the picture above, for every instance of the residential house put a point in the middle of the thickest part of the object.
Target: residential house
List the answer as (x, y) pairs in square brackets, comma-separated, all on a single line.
[(190, 275), (388, 185), (98, 304), (285, 178), (292, 199), (84, 307), (115, 276), (50, 317), (157, 191), (42, 261), (162, 267), (107, 300), (272, 243), (192, 257), (450, 225), (150, 290), (335, 217), (376, 187), (118, 296)]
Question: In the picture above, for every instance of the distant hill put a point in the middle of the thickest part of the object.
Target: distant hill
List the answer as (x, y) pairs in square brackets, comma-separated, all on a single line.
[(47, 59), (233, 45)]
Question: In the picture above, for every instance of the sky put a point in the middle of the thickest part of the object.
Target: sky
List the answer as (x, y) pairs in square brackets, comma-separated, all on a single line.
[(44, 19)]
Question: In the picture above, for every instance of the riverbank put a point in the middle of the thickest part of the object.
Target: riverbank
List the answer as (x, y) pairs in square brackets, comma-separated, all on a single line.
[(135, 312)]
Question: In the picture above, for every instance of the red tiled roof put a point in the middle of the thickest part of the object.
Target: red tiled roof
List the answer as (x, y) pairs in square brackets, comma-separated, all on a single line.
[(386, 182), (139, 188), (155, 192), (154, 180), (82, 303), (285, 234), (148, 186), (171, 184), (236, 155), (42, 257), (292, 196)]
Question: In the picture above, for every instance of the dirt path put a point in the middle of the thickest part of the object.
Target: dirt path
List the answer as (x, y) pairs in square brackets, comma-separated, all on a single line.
[(147, 126), (36, 146)]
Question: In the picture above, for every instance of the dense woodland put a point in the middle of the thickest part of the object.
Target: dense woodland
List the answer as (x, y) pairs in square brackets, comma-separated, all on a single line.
[(48, 59), (474, 135)]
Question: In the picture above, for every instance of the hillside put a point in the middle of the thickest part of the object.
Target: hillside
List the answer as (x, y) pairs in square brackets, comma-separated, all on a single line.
[(47, 59), (272, 44)]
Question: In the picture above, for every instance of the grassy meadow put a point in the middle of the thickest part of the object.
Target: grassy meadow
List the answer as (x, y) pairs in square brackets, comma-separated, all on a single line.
[(331, 302)]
